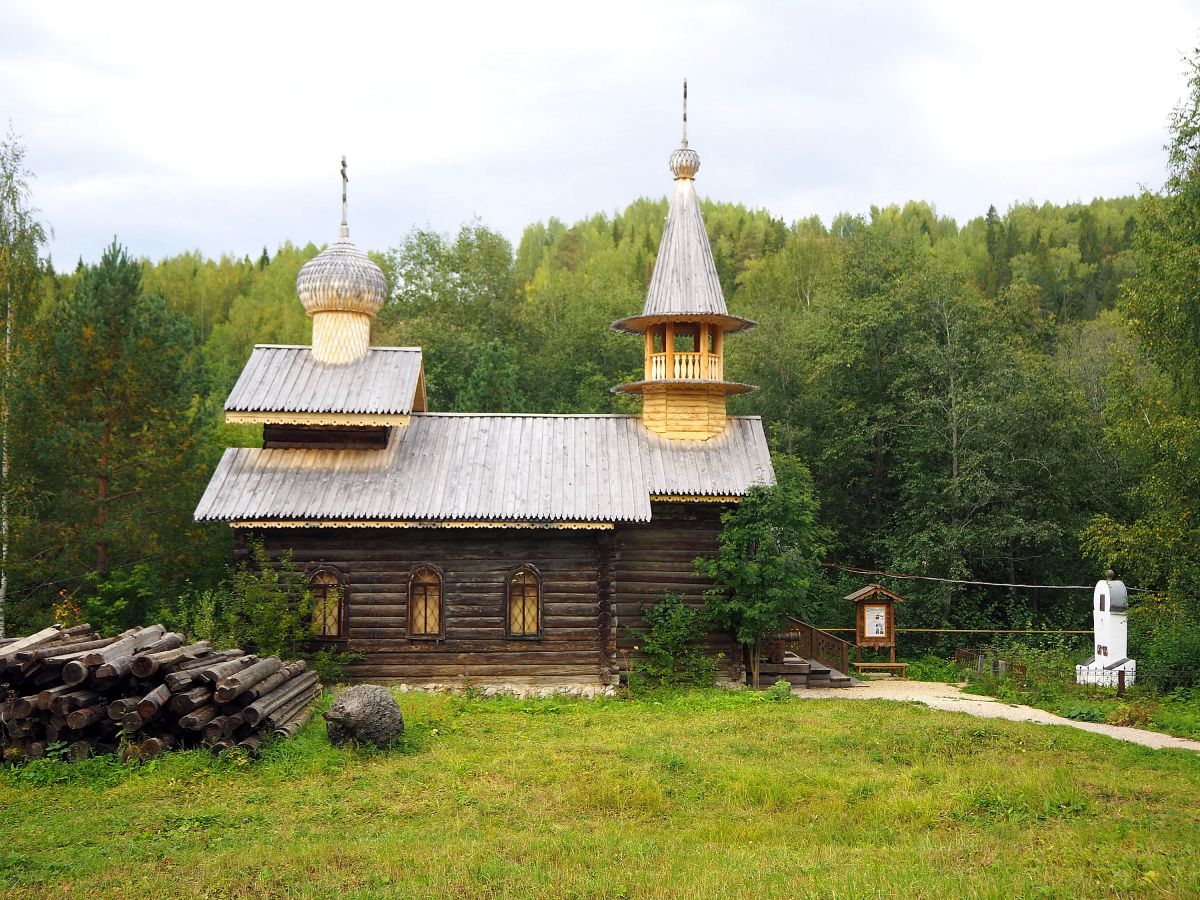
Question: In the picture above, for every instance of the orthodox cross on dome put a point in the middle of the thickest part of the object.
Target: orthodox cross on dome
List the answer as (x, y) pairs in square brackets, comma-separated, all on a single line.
[(345, 180)]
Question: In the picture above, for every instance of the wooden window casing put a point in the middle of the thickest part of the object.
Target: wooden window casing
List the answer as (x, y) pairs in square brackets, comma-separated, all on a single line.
[(328, 589), (426, 609), (523, 604)]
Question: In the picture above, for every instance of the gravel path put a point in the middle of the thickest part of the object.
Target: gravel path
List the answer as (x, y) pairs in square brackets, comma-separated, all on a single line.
[(949, 697)]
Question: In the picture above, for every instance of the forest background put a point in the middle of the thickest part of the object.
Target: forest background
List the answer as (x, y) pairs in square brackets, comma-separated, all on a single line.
[(1013, 399)]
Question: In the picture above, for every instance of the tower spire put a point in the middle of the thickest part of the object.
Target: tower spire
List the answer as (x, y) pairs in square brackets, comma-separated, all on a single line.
[(684, 320)]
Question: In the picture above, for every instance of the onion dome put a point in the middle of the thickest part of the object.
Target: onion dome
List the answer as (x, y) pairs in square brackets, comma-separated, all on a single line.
[(341, 290), (341, 278), (684, 162)]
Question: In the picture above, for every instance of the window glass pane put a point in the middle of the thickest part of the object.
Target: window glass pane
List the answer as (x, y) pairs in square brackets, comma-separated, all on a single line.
[(523, 604), (327, 605), (425, 603)]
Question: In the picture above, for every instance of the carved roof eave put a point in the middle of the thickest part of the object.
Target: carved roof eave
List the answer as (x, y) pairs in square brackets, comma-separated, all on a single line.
[(334, 420), (638, 387), (638, 324), (422, 523)]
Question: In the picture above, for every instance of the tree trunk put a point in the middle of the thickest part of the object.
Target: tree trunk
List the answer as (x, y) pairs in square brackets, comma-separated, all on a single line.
[(102, 501), (4, 395), (755, 662)]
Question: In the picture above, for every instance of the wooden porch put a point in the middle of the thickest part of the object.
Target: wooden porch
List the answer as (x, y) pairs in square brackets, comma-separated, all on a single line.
[(805, 656)]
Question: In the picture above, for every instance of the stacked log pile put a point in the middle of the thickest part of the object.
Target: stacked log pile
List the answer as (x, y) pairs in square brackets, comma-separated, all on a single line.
[(145, 691)]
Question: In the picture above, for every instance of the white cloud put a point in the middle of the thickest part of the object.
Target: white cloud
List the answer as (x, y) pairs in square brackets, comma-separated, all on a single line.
[(220, 127)]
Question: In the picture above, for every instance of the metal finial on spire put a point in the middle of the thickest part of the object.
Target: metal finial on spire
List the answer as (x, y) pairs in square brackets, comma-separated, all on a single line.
[(684, 144), (684, 162), (345, 180)]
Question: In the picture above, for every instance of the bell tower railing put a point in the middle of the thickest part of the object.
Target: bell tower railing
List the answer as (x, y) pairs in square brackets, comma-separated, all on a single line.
[(685, 367)]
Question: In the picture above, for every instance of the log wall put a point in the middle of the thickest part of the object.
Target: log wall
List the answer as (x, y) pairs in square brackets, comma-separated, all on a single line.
[(657, 558), (593, 586), (475, 564)]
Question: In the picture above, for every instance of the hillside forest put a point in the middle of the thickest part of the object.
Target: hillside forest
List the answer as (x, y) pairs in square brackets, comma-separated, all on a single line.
[(1011, 399)]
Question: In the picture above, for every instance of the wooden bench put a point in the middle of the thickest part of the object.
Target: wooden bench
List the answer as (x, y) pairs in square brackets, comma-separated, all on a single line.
[(898, 669)]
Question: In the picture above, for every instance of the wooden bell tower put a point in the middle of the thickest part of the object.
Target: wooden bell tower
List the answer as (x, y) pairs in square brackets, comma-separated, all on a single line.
[(684, 321)]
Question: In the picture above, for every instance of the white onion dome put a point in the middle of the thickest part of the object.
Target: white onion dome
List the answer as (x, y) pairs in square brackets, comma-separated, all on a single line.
[(341, 278), (684, 162)]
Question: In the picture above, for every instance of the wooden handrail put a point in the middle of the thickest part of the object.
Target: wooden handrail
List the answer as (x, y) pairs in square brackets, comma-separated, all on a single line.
[(825, 648)]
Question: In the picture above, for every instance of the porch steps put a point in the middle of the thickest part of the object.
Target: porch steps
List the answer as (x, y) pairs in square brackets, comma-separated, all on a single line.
[(801, 673)]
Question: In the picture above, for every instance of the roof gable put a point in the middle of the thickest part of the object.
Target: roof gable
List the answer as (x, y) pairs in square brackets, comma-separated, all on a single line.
[(871, 591)]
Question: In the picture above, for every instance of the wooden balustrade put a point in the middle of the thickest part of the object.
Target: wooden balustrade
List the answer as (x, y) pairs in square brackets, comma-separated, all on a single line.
[(811, 642), (685, 367)]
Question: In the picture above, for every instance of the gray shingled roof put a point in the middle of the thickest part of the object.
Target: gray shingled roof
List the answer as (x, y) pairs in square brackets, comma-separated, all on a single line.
[(685, 283), (289, 379), (685, 276), (477, 467)]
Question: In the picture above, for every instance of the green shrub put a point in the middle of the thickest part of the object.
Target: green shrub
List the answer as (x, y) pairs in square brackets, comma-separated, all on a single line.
[(1085, 712), (672, 657), (332, 666), (265, 608), (1172, 653), (780, 690), (1134, 714), (934, 668)]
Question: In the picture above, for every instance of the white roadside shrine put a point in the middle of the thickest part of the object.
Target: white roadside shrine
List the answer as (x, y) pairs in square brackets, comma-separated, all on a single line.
[(1109, 606)]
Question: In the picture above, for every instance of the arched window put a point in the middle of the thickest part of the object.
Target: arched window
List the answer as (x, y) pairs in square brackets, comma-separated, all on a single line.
[(525, 603), (425, 603), (329, 594)]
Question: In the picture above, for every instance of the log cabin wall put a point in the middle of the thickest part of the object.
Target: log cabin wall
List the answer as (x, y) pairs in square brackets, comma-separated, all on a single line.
[(657, 558), (475, 564)]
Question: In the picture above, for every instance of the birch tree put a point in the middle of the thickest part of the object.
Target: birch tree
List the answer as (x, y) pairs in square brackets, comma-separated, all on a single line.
[(21, 237)]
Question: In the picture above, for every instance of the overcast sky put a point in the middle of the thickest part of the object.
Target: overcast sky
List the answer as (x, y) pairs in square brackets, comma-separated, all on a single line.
[(220, 126)]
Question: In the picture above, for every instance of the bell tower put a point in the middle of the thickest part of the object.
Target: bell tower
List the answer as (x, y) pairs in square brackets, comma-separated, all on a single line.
[(684, 321)]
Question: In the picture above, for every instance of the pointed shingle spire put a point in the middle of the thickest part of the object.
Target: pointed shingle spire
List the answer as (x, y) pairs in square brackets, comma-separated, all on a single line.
[(684, 283)]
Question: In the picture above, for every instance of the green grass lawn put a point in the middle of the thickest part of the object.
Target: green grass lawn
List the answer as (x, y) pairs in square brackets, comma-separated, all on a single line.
[(704, 795)]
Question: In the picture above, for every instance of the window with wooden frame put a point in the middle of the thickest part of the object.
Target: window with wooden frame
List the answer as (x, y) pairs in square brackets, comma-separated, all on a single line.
[(425, 618), (328, 591), (524, 614)]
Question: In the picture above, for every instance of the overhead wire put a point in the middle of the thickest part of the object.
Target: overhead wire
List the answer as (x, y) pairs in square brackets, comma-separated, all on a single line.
[(880, 573)]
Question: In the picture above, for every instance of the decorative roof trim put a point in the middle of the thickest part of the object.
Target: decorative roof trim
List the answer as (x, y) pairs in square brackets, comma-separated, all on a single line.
[(419, 523), (696, 498), (310, 418), (307, 347)]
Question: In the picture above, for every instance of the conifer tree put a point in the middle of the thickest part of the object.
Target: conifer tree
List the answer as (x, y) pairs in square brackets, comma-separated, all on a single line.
[(117, 436)]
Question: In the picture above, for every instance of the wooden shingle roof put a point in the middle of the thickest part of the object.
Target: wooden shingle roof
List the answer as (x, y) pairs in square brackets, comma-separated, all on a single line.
[(495, 468), (289, 379)]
